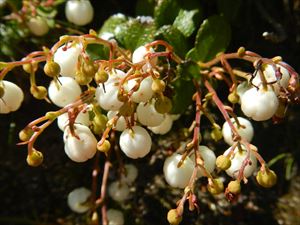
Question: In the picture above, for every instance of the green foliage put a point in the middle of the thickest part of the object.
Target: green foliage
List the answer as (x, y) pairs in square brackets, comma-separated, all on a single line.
[(165, 12), (112, 22), (187, 21), (213, 37)]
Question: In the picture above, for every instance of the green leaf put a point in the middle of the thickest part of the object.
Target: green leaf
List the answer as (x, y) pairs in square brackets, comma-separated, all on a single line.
[(145, 7), (184, 90), (188, 70), (97, 52), (46, 12), (187, 21), (165, 12), (135, 32), (229, 8), (112, 23), (174, 37), (212, 37)]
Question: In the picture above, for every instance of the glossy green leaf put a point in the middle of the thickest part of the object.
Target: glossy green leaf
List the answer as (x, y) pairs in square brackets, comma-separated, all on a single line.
[(97, 52), (188, 70), (212, 37), (187, 21), (184, 90), (135, 32), (174, 37), (112, 23), (165, 12)]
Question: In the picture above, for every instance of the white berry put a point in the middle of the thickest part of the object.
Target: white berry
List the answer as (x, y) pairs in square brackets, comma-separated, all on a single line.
[(135, 142), (259, 104), (164, 127), (82, 146), (115, 217), (77, 200), (245, 131), (148, 116), (67, 58), (79, 12), (208, 157), (64, 92), (237, 160), (38, 26), (12, 98), (139, 55), (118, 191), (82, 118), (144, 92), (178, 177)]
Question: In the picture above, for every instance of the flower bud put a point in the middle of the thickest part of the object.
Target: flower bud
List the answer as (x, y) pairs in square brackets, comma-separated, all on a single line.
[(163, 105), (216, 134), (234, 187), (39, 92), (158, 86), (35, 158), (233, 98), (27, 67), (173, 217), (52, 69), (82, 79), (216, 187), (99, 124), (267, 178), (89, 69), (25, 134), (105, 147), (223, 162), (101, 76)]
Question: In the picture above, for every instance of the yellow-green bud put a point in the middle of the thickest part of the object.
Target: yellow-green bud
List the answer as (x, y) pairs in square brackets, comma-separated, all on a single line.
[(173, 217), (122, 97), (223, 162), (158, 86), (52, 69), (241, 51), (81, 79), (27, 67), (105, 147), (35, 158), (51, 115), (234, 187), (99, 124), (216, 187), (216, 134), (101, 76), (233, 97), (163, 105), (89, 69), (25, 134), (39, 92), (267, 178)]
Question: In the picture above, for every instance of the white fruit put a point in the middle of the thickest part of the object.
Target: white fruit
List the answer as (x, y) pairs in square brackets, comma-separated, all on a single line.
[(139, 55), (115, 217), (38, 26), (82, 118), (144, 93), (259, 104), (12, 98), (77, 200), (108, 98), (270, 77), (245, 132), (178, 177), (131, 174), (64, 92), (148, 116), (121, 123), (242, 88), (82, 146), (237, 160), (208, 157), (79, 12), (118, 191), (135, 142), (164, 127), (67, 59)]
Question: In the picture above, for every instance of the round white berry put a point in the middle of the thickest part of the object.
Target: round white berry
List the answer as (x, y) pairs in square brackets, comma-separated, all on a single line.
[(208, 157), (118, 191), (259, 104), (148, 116), (82, 118), (245, 130), (12, 98), (164, 127), (64, 92), (242, 88), (178, 177), (139, 55), (79, 12), (38, 26), (77, 200), (82, 146), (115, 217), (121, 122), (144, 92), (67, 58), (130, 175), (237, 159), (135, 142)]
